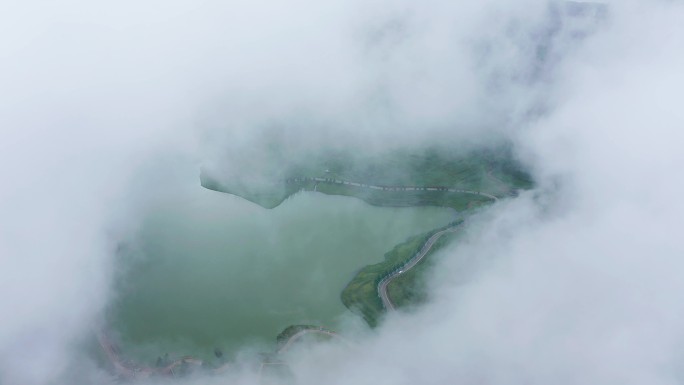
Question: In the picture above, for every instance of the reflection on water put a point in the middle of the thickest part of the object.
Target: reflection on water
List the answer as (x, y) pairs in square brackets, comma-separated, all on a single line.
[(214, 270)]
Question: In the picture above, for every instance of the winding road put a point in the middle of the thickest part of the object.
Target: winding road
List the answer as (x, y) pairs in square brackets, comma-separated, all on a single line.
[(390, 188), (382, 285), (304, 332), (128, 369)]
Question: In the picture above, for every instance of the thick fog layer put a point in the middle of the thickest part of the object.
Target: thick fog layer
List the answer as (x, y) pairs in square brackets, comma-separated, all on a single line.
[(576, 282)]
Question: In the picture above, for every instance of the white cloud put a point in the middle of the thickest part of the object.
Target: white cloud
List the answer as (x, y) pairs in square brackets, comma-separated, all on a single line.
[(575, 283)]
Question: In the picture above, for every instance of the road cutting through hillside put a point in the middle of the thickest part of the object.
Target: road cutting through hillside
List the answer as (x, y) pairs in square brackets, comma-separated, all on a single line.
[(128, 369), (382, 285), (390, 188), (304, 332)]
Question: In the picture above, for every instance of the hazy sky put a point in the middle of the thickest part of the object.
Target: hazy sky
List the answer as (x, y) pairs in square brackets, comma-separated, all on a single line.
[(576, 282)]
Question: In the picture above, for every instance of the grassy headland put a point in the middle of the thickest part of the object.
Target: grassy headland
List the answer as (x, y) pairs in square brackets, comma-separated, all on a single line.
[(489, 172), (361, 293), (429, 177), (408, 289), (292, 330)]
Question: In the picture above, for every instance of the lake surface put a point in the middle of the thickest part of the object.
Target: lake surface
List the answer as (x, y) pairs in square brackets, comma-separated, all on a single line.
[(213, 270)]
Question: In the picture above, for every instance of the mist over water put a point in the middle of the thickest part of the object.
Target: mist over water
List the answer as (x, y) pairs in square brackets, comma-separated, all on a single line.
[(577, 282), (213, 270)]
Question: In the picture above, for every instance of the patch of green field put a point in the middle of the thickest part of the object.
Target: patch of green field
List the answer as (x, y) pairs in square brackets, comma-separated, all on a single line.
[(458, 201), (290, 331), (361, 293), (269, 197), (489, 171), (283, 338), (408, 289)]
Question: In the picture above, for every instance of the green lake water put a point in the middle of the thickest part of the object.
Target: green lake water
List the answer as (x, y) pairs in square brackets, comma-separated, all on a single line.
[(213, 270)]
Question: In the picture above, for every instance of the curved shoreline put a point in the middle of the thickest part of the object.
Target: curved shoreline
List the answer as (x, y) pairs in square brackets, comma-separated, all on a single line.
[(303, 332), (128, 369), (279, 191), (411, 263), (389, 188)]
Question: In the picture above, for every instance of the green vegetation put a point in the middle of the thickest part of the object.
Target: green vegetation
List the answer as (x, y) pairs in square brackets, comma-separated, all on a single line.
[(269, 197), (491, 172), (488, 171), (361, 294), (408, 289), (455, 200), (290, 331)]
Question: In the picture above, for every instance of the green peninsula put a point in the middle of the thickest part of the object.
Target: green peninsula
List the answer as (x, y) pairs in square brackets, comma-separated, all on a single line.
[(432, 177), (463, 181)]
